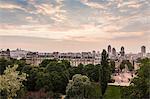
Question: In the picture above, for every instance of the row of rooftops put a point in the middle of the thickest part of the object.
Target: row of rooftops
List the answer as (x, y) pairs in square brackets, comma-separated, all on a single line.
[(70, 55), (88, 55)]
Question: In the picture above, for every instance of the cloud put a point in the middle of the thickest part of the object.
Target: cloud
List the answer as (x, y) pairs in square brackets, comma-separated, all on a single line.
[(129, 4), (93, 4), (45, 9), (54, 11), (10, 6), (59, 19)]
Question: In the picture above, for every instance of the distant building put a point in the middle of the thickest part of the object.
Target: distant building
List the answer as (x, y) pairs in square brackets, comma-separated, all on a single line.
[(35, 58), (5, 54), (18, 54), (109, 49), (75, 59), (148, 55), (113, 51), (143, 49), (32, 58), (122, 52)]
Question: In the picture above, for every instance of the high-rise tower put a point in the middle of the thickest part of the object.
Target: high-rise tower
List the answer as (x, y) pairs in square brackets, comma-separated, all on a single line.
[(113, 51), (122, 52), (143, 49), (109, 48)]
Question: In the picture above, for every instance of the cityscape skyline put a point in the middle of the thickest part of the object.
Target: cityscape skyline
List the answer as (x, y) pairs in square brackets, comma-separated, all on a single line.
[(109, 48), (75, 58)]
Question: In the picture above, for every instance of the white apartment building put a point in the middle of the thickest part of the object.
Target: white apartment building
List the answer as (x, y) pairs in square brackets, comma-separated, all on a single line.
[(75, 59), (18, 54)]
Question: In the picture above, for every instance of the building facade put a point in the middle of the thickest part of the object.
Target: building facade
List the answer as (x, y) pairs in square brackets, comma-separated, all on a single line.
[(5, 54), (75, 59)]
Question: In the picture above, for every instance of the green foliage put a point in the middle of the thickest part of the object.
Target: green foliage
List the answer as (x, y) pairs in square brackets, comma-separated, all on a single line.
[(11, 81), (31, 79), (43, 82), (113, 92), (59, 82), (52, 77), (78, 87), (105, 72), (80, 69), (94, 91), (21, 64), (128, 64), (112, 64), (46, 62), (92, 71), (140, 85), (122, 66), (3, 64), (66, 64)]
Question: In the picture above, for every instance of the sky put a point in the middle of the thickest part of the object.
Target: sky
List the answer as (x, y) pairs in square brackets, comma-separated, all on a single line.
[(74, 25)]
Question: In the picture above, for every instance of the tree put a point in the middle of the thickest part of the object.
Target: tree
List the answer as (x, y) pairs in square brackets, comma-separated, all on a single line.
[(21, 63), (3, 64), (140, 85), (46, 62), (80, 69), (128, 64), (59, 82), (44, 82), (112, 64), (32, 77), (92, 71), (66, 63), (11, 81), (105, 72), (122, 66), (78, 87)]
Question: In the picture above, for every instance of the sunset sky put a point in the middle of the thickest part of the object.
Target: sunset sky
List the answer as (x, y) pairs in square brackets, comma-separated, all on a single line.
[(74, 25)]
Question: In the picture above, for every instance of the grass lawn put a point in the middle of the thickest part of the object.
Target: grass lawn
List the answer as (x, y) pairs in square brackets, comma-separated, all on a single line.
[(113, 92)]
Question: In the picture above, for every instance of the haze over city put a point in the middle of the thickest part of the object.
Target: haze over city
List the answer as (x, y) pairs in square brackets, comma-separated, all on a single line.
[(74, 25)]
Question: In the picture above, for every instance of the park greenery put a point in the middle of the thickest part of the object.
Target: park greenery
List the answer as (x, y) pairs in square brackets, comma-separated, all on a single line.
[(78, 87), (105, 72), (54, 78), (127, 63), (11, 81), (140, 85)]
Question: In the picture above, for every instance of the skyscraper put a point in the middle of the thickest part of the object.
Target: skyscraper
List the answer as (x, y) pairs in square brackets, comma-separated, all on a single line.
[(114, 51), (122, 52), (109, 48), (143, 49)]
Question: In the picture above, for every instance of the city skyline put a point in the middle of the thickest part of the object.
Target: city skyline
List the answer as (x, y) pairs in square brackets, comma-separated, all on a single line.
[(107, 47), (74, 25)]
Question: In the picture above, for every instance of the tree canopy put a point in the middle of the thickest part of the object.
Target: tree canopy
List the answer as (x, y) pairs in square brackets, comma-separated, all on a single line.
[(78, 87), (105, 72), (140, 85), (126, 63), (11, 81)]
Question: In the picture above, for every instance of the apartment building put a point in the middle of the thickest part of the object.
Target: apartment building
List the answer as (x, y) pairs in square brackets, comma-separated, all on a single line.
[(75, 59)]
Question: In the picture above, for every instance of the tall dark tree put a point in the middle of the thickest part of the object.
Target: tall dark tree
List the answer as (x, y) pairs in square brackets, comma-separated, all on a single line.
[(105, 72), (112, 65)]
